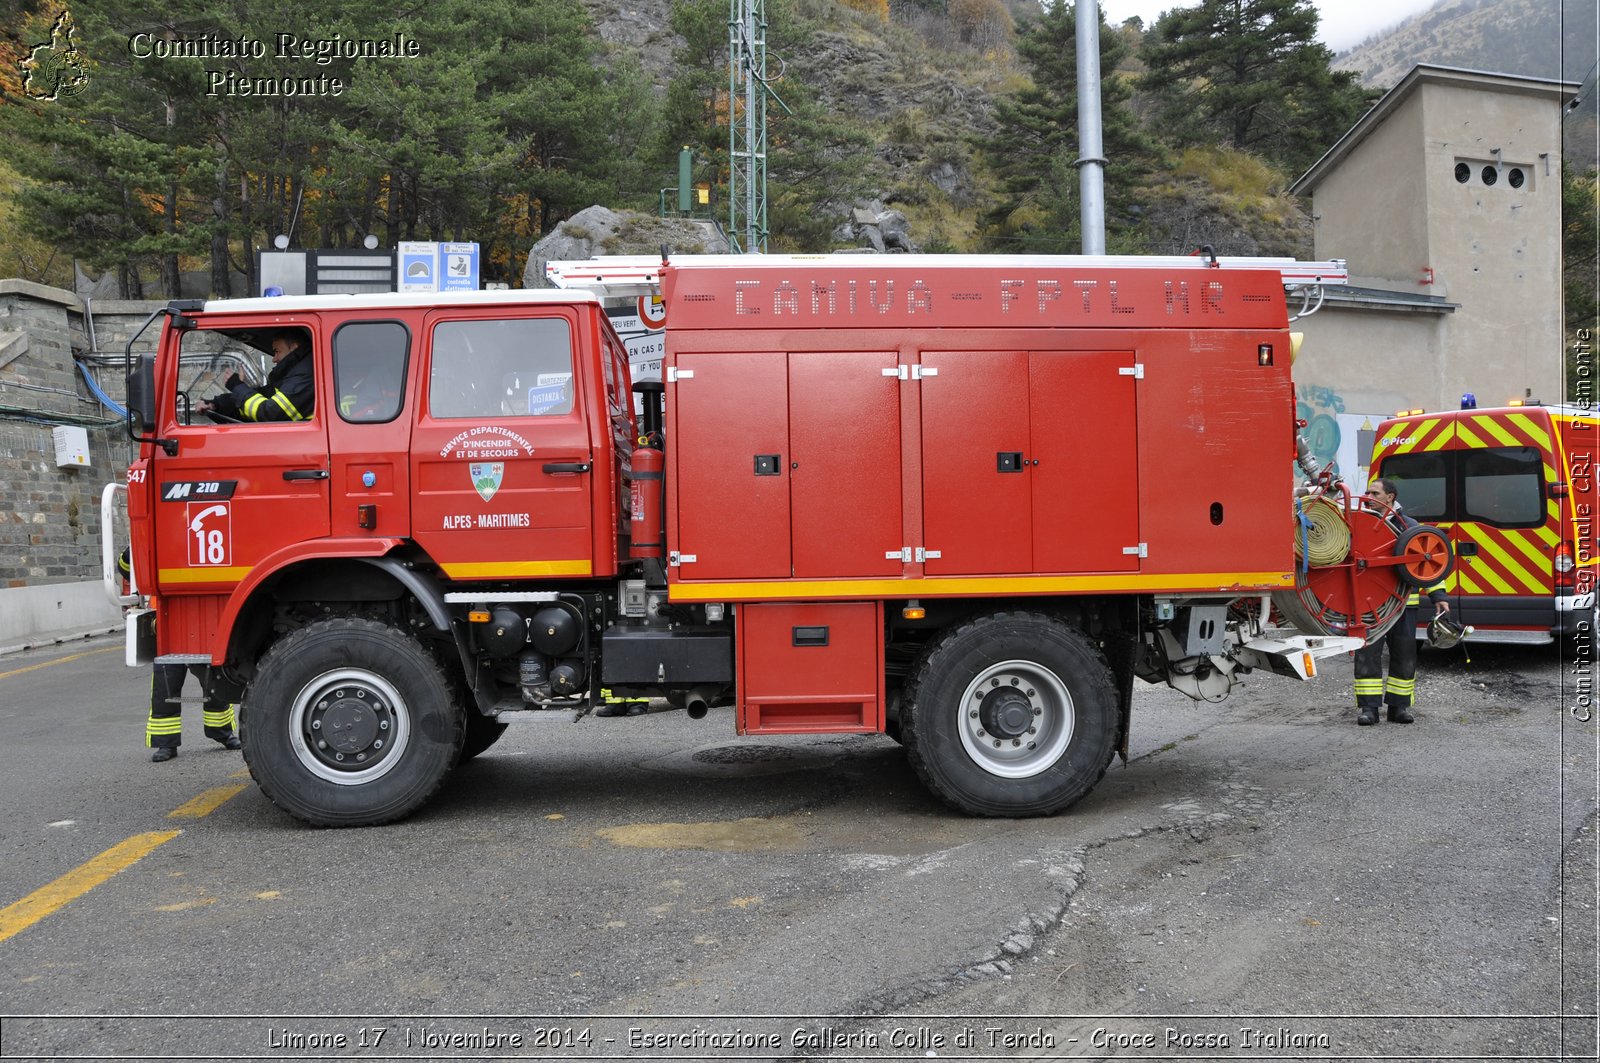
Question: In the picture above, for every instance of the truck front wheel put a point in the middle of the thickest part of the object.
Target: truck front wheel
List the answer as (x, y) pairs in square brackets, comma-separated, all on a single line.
[(350, 723), (1012, 714)]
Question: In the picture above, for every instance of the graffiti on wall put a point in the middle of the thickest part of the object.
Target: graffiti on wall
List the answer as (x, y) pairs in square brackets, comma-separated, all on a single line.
[(1340, 439), (1319, 407)]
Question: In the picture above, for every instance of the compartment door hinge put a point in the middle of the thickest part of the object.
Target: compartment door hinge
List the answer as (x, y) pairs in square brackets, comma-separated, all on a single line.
[(675, 558), (899, 372), (1136, 370), (923, 554), (902, 554), (1142, 550), (918, 372), (674, 374)]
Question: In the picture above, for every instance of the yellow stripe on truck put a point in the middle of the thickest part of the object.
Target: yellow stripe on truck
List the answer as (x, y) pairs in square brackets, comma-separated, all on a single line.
[(204, 575), (977, 585)]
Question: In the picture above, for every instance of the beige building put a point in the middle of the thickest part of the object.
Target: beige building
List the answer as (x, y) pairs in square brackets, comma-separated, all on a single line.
[(1445, 200)]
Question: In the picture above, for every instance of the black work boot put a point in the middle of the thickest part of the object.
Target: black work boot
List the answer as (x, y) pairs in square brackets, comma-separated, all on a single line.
[(163, 753), (1400, 714), (1368, 717)]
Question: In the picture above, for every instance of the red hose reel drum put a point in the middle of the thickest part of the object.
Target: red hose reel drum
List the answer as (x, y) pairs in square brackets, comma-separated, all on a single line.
[(1364, 592)]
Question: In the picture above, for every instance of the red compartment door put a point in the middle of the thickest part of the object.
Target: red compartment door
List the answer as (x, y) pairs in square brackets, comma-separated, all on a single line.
[(810, 668), (844, 430), (1086, 486), (731, 430), (977, 504)]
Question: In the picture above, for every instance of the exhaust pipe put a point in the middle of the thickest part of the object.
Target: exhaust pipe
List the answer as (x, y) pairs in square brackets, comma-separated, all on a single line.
[(696, 705)]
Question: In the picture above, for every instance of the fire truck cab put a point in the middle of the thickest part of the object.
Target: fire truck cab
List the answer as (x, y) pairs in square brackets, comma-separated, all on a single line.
[(965, 502)]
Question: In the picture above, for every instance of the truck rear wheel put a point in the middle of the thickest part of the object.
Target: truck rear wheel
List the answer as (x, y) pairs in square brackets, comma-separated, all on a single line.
[(350, 723), (1012, 714)]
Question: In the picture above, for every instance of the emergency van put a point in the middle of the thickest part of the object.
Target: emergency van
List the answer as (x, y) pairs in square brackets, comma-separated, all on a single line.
[(1515, 488)]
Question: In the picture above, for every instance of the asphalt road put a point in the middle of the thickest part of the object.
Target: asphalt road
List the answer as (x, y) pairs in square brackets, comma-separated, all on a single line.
[(1263, 879)]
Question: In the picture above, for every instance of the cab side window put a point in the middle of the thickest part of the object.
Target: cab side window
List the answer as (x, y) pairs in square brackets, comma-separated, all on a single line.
[(369, 370), (224, 369), (493, 369)]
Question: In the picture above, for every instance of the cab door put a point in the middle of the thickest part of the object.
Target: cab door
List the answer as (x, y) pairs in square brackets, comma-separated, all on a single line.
[(501, 463), (370, 474), (233, 494)]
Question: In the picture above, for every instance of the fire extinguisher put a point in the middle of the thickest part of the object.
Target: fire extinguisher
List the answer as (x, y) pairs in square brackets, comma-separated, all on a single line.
[(647, 532)]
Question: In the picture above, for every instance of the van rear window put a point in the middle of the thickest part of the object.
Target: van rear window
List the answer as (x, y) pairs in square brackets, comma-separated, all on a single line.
[(1502, 486), (1422, 483)]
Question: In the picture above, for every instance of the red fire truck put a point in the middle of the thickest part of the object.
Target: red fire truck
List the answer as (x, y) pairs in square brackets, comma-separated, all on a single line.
[(964, 501)]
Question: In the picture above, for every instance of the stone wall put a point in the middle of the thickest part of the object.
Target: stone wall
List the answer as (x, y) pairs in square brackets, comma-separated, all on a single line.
[(50, 515)]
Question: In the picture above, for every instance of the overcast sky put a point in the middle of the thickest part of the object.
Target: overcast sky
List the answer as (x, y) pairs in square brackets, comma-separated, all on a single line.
[(1345, 23)]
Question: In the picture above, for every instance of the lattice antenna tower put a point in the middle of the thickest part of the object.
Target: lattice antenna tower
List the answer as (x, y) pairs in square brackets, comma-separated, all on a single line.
[(747, 125)]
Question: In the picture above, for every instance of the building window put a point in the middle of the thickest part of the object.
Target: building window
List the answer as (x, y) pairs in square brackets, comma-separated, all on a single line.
[(1488, 173)]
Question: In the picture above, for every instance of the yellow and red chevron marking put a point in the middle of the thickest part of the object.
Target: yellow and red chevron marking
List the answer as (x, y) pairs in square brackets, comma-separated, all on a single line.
[(1482, 430), (1509, 560), (1576, 439), (1412, 434)]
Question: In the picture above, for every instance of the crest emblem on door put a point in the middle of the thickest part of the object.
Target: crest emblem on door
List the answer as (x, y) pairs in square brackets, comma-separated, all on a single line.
[(486, 477)]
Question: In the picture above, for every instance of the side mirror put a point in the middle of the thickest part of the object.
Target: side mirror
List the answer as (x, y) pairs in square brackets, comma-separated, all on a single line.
[(142, 394), (142, 387)]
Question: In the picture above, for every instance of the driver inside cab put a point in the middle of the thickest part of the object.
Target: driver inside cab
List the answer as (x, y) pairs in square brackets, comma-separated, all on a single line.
[(289, 393)]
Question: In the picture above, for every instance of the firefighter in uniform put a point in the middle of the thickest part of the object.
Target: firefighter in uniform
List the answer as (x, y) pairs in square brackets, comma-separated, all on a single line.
[(164, 730), (1398, 692), (163, 733), (289, 393)]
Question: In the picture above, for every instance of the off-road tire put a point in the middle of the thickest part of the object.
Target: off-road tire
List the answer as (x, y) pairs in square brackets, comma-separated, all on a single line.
[(963, 718), (350, 723)]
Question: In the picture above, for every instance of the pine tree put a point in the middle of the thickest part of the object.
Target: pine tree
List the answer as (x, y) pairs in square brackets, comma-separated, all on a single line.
[(1251, 75), (1035, 149)]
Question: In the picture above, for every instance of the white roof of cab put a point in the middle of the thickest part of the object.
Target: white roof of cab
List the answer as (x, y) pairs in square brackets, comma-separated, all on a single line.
[(399, 300)]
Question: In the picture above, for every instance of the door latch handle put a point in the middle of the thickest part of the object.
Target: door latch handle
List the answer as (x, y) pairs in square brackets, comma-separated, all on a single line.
[(305, 474), (566, 466)]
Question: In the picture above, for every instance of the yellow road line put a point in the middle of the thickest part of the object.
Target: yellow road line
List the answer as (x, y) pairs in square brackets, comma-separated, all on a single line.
[(207, 802), (18, 917), (58, 660)]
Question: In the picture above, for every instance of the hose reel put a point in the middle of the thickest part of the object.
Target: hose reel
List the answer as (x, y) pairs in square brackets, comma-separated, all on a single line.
[(1344, 582)]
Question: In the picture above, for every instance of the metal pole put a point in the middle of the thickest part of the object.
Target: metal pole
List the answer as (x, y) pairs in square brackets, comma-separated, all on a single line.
[(752, 96), (1091, 161)]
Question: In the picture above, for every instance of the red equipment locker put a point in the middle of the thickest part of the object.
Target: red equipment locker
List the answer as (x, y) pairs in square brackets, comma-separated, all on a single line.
[(731, 475), (1086, 480), (844, 439), (977, 513), (807, 668), (1030, 462)]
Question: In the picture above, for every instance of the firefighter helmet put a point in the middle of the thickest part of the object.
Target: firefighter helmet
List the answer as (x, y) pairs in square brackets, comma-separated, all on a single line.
[(1444, 633)]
